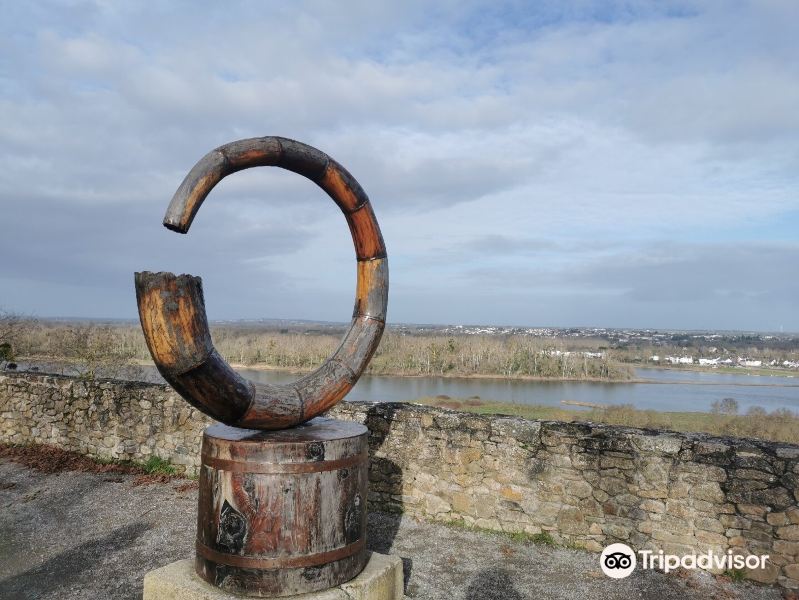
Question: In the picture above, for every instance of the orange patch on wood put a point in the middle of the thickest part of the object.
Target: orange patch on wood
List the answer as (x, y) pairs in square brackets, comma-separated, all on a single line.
[(336, 186), (366, 233)]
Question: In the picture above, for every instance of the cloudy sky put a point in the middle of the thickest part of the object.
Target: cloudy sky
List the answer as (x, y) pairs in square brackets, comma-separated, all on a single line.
[(532, 163)]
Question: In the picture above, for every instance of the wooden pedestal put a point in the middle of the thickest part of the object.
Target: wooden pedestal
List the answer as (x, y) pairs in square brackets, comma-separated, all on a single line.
[(282, 512)]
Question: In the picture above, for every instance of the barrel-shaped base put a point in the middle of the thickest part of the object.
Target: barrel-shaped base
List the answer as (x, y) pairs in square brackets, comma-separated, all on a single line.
[(282, 512)]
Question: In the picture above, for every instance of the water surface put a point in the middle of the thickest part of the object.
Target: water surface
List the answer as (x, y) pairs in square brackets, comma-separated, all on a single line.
[(664, 389), (669, 390)]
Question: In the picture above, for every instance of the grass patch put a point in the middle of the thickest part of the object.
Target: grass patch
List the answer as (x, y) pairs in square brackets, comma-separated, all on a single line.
[(156, 465), (736, 575), (543, 538), (777, 426)]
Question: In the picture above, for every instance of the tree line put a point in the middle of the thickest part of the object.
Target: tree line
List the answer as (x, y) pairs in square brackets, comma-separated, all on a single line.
[(104, 347)]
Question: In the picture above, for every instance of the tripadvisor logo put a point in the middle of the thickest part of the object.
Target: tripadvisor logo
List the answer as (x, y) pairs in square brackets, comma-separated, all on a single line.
[(619, 560)]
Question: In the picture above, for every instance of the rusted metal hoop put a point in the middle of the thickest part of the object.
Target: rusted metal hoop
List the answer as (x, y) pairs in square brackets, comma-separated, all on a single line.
[(172, 309)]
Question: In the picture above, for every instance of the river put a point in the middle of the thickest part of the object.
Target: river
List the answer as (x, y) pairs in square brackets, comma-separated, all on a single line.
[(662, 390), (665, 390)]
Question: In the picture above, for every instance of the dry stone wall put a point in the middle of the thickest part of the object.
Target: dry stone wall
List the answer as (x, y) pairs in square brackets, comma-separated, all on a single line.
[(104, 419), (584, 484)]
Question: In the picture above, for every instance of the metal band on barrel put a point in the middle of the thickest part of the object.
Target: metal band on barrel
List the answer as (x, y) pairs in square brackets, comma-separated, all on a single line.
[(289, 562), (233, 466)]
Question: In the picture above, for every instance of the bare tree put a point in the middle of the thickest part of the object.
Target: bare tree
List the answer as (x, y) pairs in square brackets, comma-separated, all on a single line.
[(11, 331), (94, 351), (726, 406)]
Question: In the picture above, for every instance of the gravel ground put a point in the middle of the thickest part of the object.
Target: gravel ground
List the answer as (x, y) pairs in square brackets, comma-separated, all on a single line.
[(78, 535)]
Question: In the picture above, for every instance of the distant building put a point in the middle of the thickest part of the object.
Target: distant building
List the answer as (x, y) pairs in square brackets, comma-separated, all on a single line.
[(745, 362), (680, 360)]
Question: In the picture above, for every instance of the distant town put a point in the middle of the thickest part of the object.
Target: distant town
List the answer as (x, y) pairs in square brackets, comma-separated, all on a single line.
[(654, 347), (685, 348)]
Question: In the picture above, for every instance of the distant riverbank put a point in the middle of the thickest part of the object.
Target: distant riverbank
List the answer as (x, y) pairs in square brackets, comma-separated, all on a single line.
[(60, 365), (753, 371), (513, 376)]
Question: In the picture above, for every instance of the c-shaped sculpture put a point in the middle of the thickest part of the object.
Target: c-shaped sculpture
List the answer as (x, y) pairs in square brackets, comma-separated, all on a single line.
[(172, 309)]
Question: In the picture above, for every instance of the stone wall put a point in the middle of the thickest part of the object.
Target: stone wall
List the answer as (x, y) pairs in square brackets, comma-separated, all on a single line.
[(104, 419), (584, 484)]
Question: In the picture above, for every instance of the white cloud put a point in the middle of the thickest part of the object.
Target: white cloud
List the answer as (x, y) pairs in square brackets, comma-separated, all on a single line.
[(532, 129)]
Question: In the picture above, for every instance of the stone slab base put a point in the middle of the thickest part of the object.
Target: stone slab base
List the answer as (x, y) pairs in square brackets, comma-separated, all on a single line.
[(380, 580)]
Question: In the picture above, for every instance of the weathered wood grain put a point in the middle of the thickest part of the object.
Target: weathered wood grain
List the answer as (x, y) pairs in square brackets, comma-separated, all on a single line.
[(371, 292), (284, 512), (359, 344), (194, 189), (173, 319), (302, 159), (172, 310), (323, 388), (343, 188), (216, 388), (274, 407), (172, 315), (252, 152), (366, 233)]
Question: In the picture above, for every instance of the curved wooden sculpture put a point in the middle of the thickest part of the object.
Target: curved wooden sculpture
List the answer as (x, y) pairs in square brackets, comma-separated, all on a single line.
[(172, 310)]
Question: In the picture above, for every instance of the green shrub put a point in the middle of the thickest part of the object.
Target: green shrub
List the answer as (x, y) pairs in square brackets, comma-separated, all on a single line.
[(156, 465), (736, 575), (543, 538)]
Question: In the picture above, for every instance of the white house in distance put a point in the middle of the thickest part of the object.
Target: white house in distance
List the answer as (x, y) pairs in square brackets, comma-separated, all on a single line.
[(680, 360), (718, 361), (745, 362)]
